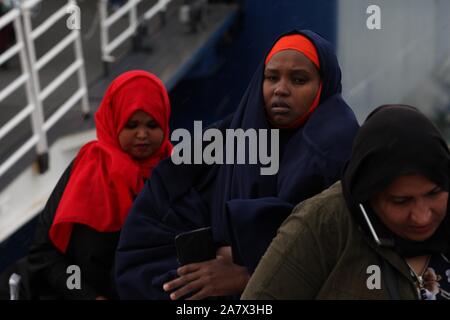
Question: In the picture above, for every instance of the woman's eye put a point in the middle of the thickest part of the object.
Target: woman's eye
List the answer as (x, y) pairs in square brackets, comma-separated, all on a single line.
[(399, 201), (299, 80), (152, 125), (434, 193), (270, 78), (131, 125)]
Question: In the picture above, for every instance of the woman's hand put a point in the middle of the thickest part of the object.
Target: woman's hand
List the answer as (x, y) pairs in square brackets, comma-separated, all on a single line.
[(217, 277)]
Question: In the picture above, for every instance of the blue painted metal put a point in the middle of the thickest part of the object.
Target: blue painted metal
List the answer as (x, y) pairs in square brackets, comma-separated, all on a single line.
[(213, 96)]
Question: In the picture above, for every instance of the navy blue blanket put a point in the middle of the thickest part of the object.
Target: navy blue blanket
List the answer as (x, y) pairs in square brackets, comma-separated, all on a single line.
[(243, 207)]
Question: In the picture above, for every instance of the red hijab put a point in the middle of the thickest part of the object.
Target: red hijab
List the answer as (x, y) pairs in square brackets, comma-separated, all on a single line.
[(104, 179), (303, 45)]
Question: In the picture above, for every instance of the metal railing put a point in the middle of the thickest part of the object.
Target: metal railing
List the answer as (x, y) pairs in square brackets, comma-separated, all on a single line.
[(37, 139), (109, 45), (73, 38), (31, 66)]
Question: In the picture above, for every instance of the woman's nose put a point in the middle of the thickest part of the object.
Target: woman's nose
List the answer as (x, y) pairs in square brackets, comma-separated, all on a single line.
[(281, 89), (421, 213), (142, 133)]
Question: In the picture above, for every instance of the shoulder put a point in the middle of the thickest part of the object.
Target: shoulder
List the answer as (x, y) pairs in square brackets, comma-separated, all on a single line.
[(332, 128), (324, 207), (100, 166), (222, 124), (325, 216), (307, 247)]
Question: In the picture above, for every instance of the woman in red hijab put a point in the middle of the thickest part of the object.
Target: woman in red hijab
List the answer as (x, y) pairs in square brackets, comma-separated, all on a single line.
[(73, 251)]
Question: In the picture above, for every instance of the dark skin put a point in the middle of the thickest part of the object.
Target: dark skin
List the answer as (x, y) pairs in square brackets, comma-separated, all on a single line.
[(412, 207), (213, 278), (291, 82), (141, 136)]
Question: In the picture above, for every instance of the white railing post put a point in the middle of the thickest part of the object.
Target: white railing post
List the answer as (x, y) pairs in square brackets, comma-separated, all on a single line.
[(78, 50), (37, 117), (24, 63), (130, 8), (104, 37), (13, 16), (133, 16), (73, 38), (40, 124), (30, 67)]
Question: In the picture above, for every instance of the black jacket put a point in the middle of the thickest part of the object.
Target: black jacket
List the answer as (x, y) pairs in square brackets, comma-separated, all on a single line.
[(90, 250)]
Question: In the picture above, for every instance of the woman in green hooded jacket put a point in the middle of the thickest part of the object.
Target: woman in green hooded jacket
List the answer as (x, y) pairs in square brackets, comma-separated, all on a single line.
[(382, 232)]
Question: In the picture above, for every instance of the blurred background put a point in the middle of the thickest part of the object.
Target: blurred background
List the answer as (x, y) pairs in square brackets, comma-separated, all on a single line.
[(57, 57)]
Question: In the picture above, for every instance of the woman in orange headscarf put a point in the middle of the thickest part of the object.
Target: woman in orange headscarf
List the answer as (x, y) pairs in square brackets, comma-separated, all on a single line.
[(296, 89), (81, 222)]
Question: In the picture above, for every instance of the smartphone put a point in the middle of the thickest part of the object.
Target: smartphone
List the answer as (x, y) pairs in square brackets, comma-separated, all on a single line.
[(195, 246)]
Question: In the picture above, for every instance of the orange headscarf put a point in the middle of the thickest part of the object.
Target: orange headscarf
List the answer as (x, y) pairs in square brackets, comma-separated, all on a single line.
[(104, 179), (303, 45)]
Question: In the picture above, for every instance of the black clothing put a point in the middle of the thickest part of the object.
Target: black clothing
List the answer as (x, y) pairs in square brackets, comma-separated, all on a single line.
[(243, 206), (92, 251), (396, 140)]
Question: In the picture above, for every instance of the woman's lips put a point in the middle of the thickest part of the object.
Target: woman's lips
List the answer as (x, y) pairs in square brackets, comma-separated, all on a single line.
[(142, 146), (280, 108), (422, 229)]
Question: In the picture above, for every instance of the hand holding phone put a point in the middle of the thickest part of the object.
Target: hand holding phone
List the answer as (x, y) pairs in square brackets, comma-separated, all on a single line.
[(195, 246)]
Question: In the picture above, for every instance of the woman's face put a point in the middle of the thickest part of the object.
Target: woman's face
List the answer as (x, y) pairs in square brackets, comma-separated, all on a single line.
[(412, 207), (141, 136), (290, 85)]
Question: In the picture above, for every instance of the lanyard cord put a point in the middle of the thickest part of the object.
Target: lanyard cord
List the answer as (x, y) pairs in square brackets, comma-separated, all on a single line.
[(419, 278)]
